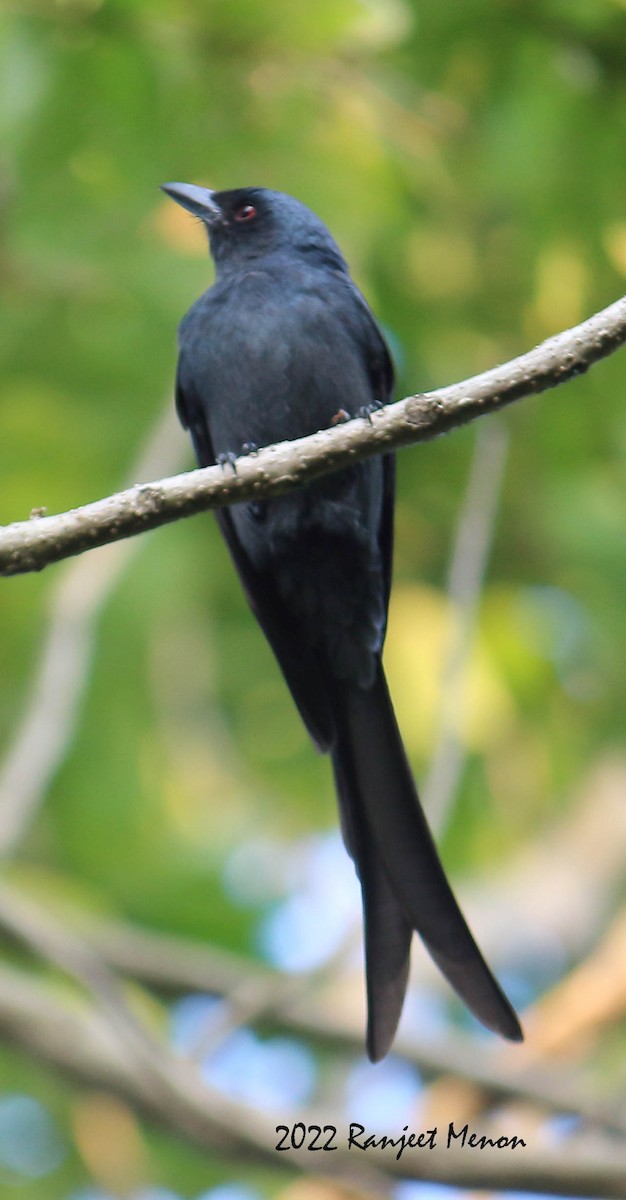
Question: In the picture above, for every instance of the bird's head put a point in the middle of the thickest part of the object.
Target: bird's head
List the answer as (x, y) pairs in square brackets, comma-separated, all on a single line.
[(250, 223)]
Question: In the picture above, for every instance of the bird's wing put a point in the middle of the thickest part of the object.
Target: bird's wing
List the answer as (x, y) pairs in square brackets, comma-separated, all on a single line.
[(374, 347), (299, 666), (380, 370)]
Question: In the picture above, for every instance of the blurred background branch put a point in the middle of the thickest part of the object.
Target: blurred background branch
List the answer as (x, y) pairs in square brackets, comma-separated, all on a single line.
[(45, 731), (465, 584), (86, 1047)]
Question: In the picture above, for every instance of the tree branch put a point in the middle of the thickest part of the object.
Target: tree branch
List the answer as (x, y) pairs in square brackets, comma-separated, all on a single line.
[(31, 545)]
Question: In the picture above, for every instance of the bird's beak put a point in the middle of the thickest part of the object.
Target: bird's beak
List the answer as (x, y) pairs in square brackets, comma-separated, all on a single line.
[(196, 200)]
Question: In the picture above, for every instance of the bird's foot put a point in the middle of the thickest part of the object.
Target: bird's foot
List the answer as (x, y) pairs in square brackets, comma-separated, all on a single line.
[(366, 410), (228, 459)]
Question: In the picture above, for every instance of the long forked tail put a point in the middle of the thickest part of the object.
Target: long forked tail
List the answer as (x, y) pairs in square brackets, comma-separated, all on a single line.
[(402, 880)]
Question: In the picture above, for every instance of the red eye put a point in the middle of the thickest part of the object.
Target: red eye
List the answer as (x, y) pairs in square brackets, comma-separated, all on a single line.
[(247, 212)]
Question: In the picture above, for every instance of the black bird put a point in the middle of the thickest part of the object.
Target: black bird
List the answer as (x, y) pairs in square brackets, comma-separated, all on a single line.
[(282, 345)]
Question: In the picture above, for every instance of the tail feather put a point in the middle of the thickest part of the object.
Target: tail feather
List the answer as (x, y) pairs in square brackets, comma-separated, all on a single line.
[(387, 933), (403, 882), (388, 938)]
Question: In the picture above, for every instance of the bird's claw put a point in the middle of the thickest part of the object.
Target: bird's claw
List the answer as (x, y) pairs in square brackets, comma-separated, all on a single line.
[(366, 410), (228, 459)]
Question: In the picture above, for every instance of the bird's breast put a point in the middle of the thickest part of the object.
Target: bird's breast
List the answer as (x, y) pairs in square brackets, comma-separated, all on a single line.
[(272, 363)]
